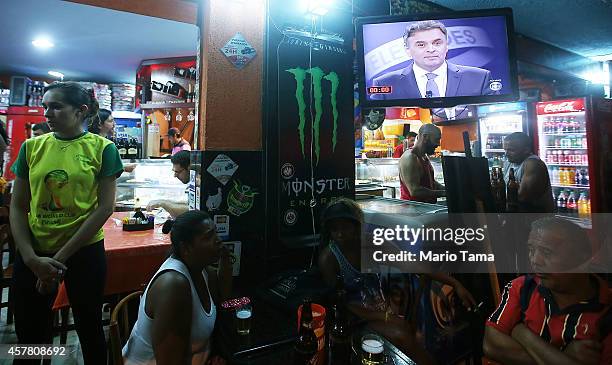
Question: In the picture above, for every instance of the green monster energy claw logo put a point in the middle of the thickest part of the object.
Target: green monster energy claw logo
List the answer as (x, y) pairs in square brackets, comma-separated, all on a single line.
[(317, 75)]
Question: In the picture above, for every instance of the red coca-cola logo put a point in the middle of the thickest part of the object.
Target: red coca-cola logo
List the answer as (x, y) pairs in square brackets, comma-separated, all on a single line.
[(562, 107)]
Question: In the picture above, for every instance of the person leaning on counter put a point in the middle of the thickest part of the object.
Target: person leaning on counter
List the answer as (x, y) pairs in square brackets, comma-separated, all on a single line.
[(64, 192), (535, 192), (416, 173), (180, 167)]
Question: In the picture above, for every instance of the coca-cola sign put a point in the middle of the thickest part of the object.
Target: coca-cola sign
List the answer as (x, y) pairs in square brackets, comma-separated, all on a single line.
[(565, 106)]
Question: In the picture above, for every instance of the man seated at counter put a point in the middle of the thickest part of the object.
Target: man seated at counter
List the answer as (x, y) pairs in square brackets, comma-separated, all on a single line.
[(535, 193), (416, 173), (553, 318), (180, 167), (341, 256)]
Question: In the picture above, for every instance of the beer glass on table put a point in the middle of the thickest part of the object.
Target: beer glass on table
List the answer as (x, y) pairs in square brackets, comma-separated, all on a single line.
[(372, 350), (243, 319)]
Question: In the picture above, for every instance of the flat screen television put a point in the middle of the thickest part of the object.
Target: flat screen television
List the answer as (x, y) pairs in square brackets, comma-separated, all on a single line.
[(437, 60)]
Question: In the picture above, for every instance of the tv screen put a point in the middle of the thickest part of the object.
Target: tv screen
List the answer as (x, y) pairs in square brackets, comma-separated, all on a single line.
[(437, 60)]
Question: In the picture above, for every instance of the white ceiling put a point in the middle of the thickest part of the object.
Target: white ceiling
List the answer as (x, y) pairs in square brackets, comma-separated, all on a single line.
[(91, 43)]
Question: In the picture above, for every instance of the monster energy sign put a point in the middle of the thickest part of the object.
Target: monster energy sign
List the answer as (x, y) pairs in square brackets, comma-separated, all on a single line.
[(317, 76)]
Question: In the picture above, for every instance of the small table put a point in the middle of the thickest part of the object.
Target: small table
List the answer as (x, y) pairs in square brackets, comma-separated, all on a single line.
[(131, 258)]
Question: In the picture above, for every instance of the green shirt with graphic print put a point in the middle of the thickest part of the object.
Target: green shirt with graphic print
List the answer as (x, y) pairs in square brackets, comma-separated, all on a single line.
[(63, 176)]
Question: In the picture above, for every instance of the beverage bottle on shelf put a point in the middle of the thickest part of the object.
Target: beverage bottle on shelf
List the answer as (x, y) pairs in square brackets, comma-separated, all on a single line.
[(588, 212), (578, 177), (555, 175), (555, 156), (585, 157), (584, 142), (571, 176), (546, 126), (585, 177), (512, 203), (548, 156), (573, 124), (566, 156), (557, 142), (561, 202), (305, 347), (572, 208), (582, 206)]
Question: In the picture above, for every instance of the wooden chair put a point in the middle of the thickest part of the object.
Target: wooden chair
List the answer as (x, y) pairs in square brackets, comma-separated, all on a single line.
[(120, 327)]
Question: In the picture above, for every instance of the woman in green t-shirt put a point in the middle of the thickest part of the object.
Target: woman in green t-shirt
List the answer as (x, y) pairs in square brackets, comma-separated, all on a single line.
[(64, 192)]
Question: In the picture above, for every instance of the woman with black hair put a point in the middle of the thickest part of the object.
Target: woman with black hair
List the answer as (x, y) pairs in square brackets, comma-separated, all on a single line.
[(63, 193), (101, 123), (177, 311)]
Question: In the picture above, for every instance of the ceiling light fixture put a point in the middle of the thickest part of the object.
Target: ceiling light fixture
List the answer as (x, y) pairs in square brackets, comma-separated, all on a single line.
[(43, 43), (59, 75)]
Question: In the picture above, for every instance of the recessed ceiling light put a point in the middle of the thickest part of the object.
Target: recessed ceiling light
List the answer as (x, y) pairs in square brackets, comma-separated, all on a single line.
[(59, 75), (42, 43)]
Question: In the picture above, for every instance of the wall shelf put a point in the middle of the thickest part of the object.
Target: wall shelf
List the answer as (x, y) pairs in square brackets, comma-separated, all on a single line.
[(166, 105)]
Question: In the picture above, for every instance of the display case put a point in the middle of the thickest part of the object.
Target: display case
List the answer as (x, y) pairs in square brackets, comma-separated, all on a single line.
[(150, 179), (384, 172)]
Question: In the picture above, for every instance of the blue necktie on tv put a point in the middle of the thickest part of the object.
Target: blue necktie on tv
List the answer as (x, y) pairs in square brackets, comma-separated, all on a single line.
[(432, 91)]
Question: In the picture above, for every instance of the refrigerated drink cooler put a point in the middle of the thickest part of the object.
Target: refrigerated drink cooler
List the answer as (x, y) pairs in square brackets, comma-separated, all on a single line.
[(573, 139), (495, 122)]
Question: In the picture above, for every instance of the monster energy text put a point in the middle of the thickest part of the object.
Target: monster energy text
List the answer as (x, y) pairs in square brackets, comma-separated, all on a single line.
[(297, 187), (317, 76), (316, 45)]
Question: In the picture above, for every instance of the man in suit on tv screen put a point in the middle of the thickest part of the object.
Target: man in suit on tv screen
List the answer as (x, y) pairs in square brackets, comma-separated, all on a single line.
[(429, 74)]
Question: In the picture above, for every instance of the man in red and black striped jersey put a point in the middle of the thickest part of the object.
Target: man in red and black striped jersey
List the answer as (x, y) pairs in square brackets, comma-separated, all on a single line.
[(561, 315)]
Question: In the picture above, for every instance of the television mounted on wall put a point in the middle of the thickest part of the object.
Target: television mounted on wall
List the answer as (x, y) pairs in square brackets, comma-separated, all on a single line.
[(437, 60)]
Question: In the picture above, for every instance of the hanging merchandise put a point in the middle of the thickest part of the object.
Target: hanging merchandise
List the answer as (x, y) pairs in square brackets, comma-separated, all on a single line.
[(168, 116), (179, 116), (191, 116)]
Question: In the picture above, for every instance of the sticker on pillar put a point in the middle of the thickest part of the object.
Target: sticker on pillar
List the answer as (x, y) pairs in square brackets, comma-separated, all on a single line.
[(191, 191), (287, 170), (290, 217), (238, 51), (222, 225), (234, 248), (222, 168), (214, 201), (240, 199)]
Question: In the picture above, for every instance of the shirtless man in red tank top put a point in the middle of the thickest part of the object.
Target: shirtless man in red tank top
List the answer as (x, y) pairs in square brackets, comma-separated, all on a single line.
[(416, 173)]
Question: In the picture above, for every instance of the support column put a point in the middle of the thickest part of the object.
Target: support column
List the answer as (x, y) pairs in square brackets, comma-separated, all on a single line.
[(230, 99)]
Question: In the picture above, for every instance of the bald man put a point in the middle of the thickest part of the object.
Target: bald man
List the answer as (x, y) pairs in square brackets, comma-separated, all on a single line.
[(535, 193), (416, 173)]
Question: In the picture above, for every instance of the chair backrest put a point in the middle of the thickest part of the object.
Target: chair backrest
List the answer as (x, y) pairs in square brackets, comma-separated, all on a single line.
[(119, 328)]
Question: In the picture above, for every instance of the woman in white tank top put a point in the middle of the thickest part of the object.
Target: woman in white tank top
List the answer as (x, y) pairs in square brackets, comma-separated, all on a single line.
[(177, 311)]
